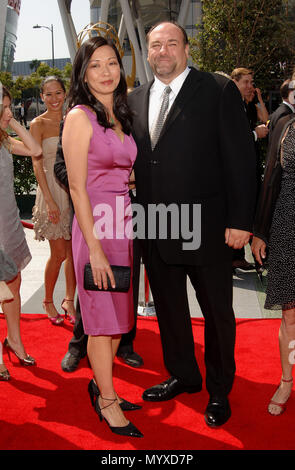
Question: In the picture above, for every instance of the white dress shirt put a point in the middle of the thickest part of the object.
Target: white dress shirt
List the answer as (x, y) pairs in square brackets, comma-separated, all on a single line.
[(156, 95)]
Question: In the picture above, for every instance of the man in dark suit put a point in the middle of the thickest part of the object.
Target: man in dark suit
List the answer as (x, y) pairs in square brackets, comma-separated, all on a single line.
[(286, 107), (203, 165)]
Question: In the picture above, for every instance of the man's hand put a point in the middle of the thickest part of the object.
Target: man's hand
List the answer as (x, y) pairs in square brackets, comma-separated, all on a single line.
[(236, 238), (261, 131), (258, 248)]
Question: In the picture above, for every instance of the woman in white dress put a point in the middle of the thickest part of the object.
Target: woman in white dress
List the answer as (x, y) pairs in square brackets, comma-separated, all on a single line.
[(52, 213), (12, 237)]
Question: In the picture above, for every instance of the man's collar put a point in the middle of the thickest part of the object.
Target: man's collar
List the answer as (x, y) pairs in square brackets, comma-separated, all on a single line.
[(290, 106)]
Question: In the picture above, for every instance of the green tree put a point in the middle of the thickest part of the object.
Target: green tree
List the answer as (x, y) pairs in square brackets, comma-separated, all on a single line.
[(16, 87), (6, 79), (256, 34), (32, 82), (67, 72), (35, 64)]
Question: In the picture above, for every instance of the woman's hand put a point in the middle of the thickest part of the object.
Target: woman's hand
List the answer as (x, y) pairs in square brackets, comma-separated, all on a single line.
[(13, 124), (101, 269), (236, 238), (27, 145), (53, 212), (258, 248)]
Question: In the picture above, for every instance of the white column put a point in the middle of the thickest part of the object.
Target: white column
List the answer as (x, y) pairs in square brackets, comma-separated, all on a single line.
[(133, 38), (142, 38), (122, 30), (183, 12), (69, 28)]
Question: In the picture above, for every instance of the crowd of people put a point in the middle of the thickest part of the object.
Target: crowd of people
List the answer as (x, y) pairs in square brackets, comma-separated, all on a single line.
[(161, 133)]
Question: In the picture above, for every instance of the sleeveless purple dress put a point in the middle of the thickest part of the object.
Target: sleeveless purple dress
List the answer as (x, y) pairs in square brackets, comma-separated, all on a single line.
[(110, 162)]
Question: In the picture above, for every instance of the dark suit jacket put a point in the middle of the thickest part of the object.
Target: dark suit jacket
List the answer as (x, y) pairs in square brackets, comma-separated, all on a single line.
[(205, 155), (282, 110)]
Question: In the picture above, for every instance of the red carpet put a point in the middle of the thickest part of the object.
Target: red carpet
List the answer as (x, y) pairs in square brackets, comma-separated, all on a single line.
[(45, 408)]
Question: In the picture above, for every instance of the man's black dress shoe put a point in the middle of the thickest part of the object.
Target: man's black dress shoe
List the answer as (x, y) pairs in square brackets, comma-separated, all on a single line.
[(131, 358), (168, 389), (70, 362), (217, 412)]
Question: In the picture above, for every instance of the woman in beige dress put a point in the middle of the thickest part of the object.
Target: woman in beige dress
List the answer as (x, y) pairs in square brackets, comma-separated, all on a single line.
[(52, 211)]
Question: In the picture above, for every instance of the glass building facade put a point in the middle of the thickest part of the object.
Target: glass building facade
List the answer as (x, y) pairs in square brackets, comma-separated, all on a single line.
[(10, 37)]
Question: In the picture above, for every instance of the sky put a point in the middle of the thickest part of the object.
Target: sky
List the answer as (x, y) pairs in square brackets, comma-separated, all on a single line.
[(36, 43)]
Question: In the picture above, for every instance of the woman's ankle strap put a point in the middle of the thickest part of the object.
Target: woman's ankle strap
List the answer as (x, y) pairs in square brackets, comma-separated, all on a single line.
[(112, 400)]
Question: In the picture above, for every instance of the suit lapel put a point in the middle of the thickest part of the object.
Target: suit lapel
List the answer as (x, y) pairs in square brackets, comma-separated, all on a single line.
[(143, 112), (188, 89)]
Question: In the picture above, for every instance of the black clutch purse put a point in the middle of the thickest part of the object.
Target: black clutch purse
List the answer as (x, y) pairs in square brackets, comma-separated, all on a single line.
[(121, 274)]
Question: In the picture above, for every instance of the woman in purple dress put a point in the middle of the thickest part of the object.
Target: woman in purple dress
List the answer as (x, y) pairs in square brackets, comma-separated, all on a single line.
[(99, 154)]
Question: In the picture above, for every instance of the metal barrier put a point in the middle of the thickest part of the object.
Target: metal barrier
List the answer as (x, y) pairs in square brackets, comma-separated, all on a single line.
[(146, 305)]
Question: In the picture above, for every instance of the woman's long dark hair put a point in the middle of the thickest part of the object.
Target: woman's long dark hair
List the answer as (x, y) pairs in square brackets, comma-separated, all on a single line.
[(79, 92)]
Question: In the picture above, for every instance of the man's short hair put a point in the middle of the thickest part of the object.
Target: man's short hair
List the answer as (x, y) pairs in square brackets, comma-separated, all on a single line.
[(285, 89), (185, 37), (238, 73)]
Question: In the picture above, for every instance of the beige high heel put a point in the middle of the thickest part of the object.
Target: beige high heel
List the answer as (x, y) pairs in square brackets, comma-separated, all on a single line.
[(4, 375), (26, 361)]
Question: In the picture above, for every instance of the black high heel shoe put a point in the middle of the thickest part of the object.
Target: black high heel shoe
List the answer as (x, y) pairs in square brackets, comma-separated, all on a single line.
[(27, 361), (125, 405), (129, 430)]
